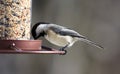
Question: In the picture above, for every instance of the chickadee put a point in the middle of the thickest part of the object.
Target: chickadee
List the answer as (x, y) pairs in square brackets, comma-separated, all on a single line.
[(59, 35)]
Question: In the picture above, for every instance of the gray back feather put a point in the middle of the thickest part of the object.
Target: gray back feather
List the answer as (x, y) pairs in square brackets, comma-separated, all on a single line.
[(65, 31)]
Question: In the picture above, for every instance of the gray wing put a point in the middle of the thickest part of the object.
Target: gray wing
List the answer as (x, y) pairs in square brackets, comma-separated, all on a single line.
[(65, 31), (71, 33)]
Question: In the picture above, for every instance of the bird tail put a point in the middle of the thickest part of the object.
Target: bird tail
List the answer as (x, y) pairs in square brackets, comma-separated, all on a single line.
[(91, 43)]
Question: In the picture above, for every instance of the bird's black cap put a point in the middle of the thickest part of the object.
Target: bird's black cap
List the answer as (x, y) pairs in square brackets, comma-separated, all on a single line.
[(34, 28)]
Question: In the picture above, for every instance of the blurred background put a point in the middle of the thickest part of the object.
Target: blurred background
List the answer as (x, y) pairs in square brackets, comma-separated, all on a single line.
[(99, 20)]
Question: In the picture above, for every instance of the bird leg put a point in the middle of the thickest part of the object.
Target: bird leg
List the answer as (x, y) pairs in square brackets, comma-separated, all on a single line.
[(63, 49)]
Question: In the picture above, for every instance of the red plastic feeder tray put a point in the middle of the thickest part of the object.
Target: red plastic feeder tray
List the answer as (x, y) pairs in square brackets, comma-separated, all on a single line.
[(26, 47)]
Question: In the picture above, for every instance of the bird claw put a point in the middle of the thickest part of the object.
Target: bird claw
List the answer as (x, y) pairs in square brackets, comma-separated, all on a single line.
[(65, 52)]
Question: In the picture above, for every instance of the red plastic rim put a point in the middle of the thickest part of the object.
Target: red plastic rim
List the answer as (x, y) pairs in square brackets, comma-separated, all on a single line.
[(20, 44)]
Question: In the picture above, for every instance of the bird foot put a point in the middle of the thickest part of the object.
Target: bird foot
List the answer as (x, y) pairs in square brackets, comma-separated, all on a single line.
[(65, 52)]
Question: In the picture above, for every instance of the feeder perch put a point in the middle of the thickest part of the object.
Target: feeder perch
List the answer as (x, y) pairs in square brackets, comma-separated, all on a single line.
[(26, 47), (15, 22)]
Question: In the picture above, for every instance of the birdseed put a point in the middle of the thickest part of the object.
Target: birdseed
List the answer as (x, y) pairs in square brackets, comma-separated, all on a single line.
[(15, 19)]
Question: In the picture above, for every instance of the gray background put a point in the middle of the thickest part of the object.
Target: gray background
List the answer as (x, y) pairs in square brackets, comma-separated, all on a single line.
[(99, 20)]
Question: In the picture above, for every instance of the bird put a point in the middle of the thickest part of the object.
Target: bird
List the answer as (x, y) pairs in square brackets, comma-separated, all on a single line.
[(59, 35)]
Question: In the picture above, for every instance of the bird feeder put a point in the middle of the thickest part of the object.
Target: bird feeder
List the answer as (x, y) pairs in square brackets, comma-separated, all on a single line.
[(15, 25)]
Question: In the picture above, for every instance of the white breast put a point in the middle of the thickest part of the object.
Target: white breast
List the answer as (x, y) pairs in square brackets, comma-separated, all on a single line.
[(59, 40)]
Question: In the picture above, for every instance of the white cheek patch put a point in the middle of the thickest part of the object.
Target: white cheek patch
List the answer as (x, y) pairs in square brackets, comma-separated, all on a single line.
[(40, 28)]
